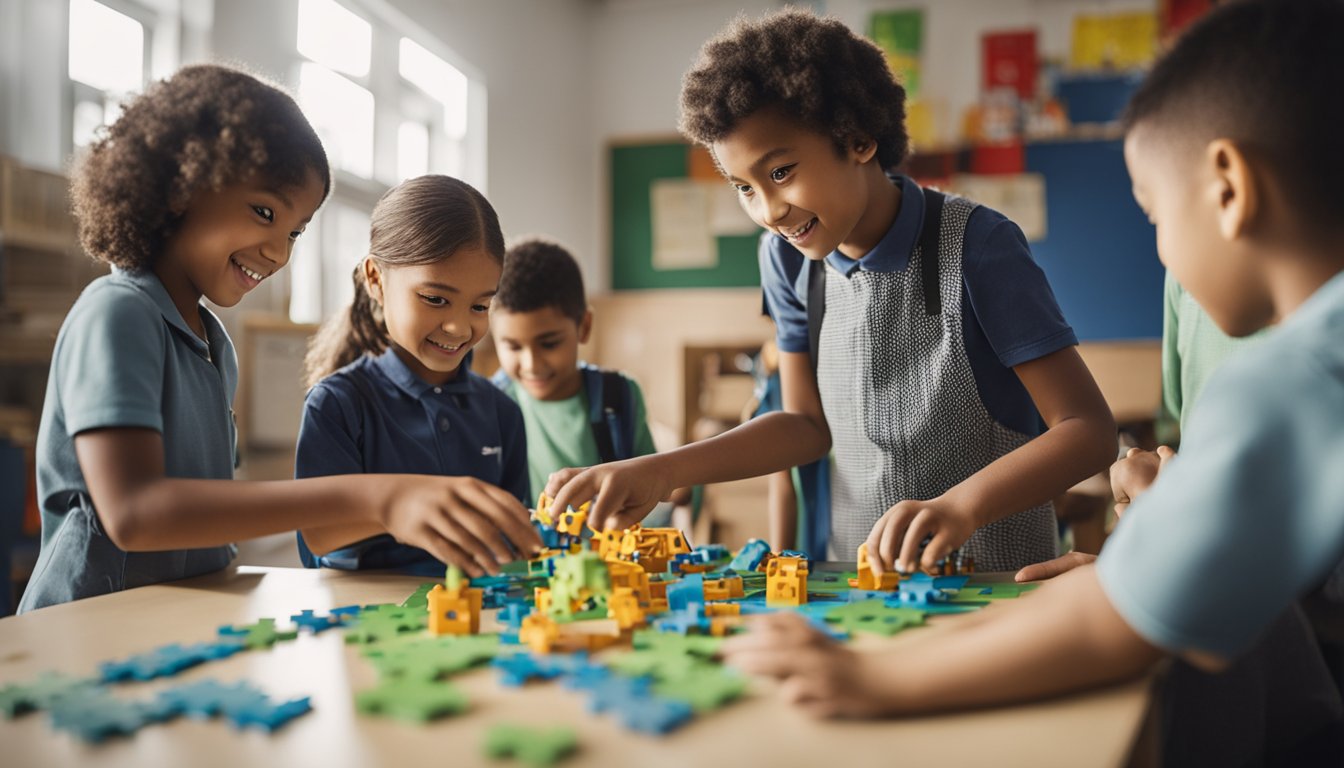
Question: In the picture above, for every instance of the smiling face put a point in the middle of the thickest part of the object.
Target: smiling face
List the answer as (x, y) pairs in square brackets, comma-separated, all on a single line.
[(435, 313), (1198, 198), (792, 181), (230, 240), (540, 350)]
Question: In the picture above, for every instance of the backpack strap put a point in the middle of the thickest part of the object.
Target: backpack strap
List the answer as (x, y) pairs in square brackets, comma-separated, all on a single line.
[(929, 242), (609, 413), (816, 307)]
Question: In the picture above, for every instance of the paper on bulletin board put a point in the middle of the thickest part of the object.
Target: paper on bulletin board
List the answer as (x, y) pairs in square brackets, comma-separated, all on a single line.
[(1020, 197), (682, 234), (900, 35), (1118, 41)]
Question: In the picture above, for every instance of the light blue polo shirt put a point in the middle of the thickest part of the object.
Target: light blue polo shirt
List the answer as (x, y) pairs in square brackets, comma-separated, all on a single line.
[(1250, 515), (126, 358), (375, 415)]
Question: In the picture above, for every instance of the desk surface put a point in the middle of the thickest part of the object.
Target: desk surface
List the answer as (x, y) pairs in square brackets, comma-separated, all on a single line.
[(1089, 729)]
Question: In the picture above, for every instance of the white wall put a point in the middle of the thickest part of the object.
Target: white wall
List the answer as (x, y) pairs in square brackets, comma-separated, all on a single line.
[(540, 160)]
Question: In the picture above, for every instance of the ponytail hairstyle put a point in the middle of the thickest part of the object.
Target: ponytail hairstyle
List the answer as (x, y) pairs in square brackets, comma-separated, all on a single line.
[(423, 220)]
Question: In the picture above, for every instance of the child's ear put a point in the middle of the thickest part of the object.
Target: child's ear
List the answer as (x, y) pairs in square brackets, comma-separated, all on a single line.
[(586, 326), (373, 279), (1235, 184), (863, 149)]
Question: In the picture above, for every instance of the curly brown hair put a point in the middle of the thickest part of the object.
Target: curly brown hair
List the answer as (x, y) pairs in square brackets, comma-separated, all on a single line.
[(206, 126), (812, 67), (539, 273)]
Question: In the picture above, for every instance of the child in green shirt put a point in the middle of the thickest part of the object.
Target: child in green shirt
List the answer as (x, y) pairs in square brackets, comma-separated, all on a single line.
[(576, 414)]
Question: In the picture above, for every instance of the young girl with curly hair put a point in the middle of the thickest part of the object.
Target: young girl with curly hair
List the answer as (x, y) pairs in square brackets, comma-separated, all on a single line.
[(198, 190)]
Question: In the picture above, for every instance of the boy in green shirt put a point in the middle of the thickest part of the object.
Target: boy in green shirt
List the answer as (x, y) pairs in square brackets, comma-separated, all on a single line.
[(576, 414)]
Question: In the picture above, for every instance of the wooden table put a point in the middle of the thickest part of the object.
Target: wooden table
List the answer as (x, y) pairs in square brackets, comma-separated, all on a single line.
[(1098, 728)]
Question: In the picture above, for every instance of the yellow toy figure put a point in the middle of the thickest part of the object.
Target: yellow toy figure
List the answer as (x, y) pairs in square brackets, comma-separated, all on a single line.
[(454, 608), (884, 582), (786, 581)]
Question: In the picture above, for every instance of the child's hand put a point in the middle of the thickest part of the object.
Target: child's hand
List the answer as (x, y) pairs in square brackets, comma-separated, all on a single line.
[(1052, 568), (1133, 474), (623, 492), (816, 673), (459, 520), (897, 536)]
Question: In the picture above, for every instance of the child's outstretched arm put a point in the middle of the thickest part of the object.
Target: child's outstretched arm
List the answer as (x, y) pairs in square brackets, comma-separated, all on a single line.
[(143, 510), (1130, 477), (1079, 442), (1065, 637), (625, 491)]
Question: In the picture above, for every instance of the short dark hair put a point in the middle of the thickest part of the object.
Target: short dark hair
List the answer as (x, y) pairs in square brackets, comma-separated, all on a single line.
[(814, 68), (1268, 75), (540, 273), (205, 127)]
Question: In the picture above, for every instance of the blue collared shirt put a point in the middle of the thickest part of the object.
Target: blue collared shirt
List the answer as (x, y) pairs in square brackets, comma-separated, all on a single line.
[(1009, 313), (376, 416), (126, 358)]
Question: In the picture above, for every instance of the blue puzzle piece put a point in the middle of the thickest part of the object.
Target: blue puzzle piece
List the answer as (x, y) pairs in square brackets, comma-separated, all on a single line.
[(242, 704), (317, 624), (630, 699), (512, 614), (97, 714), (167, 660)]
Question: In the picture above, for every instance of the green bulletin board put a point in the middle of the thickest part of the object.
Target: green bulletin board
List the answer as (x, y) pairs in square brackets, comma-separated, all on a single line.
[(634, 167)]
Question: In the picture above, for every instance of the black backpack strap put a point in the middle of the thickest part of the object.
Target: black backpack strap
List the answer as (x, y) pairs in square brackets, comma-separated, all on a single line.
[(607, 396), (816, 307), (928, 246)]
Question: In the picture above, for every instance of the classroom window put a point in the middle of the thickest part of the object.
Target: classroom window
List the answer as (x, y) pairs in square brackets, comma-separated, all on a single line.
[(412, 150), (441, 80), (334, 36), (342, 113), (107, 62)]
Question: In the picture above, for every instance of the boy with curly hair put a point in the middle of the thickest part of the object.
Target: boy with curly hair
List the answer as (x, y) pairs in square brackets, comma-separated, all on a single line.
[(915, 331), (198, 191), (1232, 146)]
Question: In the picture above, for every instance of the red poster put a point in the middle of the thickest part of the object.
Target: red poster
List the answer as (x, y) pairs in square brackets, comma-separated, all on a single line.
[(1010, 60)]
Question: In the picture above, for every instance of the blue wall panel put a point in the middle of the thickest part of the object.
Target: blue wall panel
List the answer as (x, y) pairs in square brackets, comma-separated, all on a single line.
[(1099, 251)]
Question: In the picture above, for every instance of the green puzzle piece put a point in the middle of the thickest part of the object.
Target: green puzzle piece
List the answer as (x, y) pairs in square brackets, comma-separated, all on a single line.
[(410, 699), (45, 689), (381, 623), (705, 687), (419, 599), (874, 616), (534, 746), (428, 659), (695, 645), (972, 593), (259, 635)]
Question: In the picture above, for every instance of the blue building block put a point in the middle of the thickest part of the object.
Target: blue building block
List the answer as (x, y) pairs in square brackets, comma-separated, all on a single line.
[(750, 556), (689, 590)]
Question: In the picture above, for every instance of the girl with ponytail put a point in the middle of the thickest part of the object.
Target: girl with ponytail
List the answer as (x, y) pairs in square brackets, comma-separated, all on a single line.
[(392, 387)]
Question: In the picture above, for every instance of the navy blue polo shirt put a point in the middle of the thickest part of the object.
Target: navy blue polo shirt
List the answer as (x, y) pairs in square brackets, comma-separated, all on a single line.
[(376, 416), (1009, 313)]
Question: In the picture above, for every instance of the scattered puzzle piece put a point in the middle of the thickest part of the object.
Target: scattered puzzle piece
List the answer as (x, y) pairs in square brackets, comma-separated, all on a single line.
[(240, 703), (534, 746), (379, 623), (259, 635), (411, 699), (874, 616), (431, 658), (167, 660), (96, 714), (41, 693), (317, 624)]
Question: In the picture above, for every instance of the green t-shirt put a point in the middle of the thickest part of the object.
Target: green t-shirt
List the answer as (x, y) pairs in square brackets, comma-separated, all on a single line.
[(1193, 346), (559, 434)]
